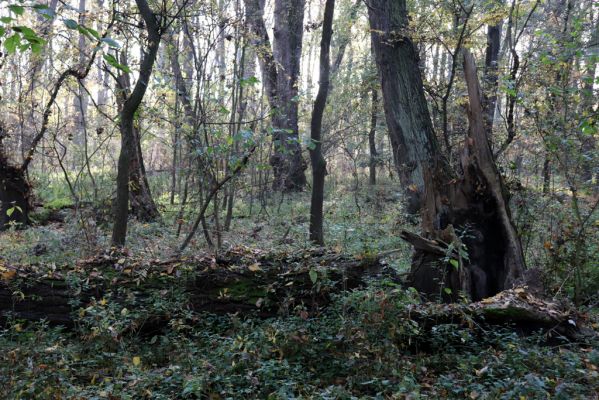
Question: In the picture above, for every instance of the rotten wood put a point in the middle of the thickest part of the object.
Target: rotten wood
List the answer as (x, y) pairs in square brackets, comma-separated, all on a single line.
[(239, 281)]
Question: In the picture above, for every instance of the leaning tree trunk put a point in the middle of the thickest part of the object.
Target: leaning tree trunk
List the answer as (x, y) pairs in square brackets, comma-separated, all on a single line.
[(406, 111), (468, 243)]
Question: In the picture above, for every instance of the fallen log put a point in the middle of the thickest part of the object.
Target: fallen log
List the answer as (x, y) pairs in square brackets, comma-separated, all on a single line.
[(517, 307), (240, 280)]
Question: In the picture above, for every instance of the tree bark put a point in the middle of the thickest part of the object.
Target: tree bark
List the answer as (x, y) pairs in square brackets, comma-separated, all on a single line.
[(280, 67), (491, 72), (14, 193), (372, 138), (140, 198), (319, 165), (468, 243), (129, 148), (406, 111), (267, 285)]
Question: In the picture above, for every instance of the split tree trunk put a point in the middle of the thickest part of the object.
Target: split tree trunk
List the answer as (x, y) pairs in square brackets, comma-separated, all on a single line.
[(468, 220), (491, 72), (468, 243)]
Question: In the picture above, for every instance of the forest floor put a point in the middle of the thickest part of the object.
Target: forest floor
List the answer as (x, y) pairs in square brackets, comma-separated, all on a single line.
[(361, 346)]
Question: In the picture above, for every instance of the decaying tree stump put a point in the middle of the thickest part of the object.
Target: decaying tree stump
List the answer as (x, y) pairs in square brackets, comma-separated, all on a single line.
[(239, 281), (469, 245), (14, 194)]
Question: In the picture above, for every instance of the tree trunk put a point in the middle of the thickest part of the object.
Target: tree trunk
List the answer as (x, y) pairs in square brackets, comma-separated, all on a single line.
[(129, 144), (589, 98), (267, 284), (406, 111), (470, 222), (280, 72), (14, 193), (140, 198), (468, 243), (491, 73), (319, 165), (372, 138)]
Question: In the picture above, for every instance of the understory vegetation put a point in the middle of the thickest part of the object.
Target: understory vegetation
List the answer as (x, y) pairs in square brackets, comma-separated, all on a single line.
[(360, 346)]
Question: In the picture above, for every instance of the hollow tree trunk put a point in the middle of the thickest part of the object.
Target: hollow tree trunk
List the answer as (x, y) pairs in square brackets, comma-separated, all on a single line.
[(471, 214), (319, 165), (129, 144), (468, 243)]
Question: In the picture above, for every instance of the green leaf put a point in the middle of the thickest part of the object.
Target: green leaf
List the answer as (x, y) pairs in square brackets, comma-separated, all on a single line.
[(251, 80), (44, 11), (313, 276), (2, 31), (19, 10), (110, 42), (447, 290), (11, 210), (71, 24), (6, 20), (113, 61), (11, 43), (455, 263), (94, 33)]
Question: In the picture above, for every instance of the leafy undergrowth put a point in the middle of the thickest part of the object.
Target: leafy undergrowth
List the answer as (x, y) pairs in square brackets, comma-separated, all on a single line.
[(361, 347)]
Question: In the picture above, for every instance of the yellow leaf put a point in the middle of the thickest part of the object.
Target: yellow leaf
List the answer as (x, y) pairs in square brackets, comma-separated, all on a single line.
[(8, 275), (255, 267), (136, 361), (103, 302), (18, 327)]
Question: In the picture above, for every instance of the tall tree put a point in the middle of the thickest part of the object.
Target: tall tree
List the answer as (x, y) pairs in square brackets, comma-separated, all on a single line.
[(406, 111), (126, 123), (319, 165), (467, 210), (280, 73)]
